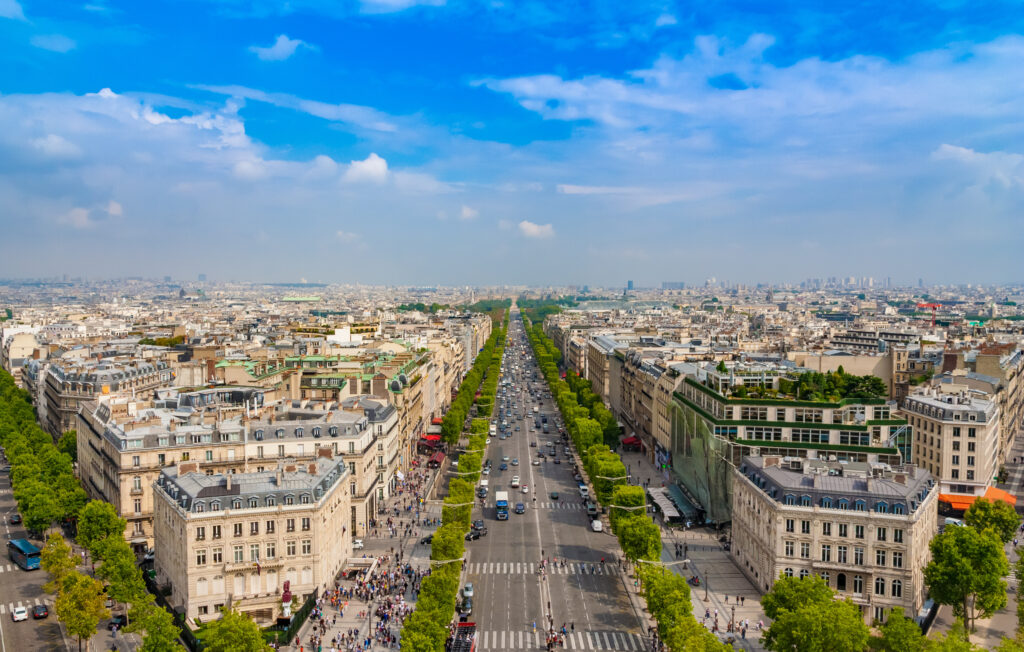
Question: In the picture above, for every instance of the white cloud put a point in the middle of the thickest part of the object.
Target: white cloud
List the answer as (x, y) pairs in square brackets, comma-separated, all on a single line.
[(665, 20), (468, 213), (251, 169), (11, 9), (114, 209), (283, 48), (77, 218), (361, 116), (392, 6), (1005, 168), (532, 230), (347, 236), (55, 146), (373, 169), (53, 42)]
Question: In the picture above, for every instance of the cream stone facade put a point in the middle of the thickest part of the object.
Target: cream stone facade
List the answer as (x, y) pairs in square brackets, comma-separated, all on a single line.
[(864, 528), (239, 538)]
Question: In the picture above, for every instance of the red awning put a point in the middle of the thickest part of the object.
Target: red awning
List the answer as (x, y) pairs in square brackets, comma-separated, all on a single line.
[(437, 421), (437, 457), (961, 502), (630, 441), (431, 437)]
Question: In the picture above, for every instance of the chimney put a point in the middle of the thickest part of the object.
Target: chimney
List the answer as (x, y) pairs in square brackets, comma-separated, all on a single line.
[(278, 476), (228, 483)]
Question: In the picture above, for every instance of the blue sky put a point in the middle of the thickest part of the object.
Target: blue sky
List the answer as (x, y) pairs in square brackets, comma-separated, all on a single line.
[(410, 142)]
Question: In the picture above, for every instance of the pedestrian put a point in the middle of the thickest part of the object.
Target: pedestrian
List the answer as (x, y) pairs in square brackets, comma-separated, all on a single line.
[(743, 600)]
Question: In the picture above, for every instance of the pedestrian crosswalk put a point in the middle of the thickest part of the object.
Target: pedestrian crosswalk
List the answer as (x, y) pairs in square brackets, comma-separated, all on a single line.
[(8, 568), (523, 640), (560, 505), (522, 568), (28, 604)]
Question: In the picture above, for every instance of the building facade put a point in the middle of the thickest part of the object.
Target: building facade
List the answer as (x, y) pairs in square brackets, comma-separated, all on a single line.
[(863, 528)]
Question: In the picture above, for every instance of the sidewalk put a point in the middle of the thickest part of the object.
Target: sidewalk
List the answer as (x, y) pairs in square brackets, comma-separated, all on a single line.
[(711, 563)]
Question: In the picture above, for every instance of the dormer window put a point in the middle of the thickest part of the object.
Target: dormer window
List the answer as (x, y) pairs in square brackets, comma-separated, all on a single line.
[(316, 431), (289, 500), (236, 503), (199, 507), (333, 431), (258, 435), (304, 499), (215, 506), (279, 433), (254, 502), (271, 501), (860, 506), (298, 432)]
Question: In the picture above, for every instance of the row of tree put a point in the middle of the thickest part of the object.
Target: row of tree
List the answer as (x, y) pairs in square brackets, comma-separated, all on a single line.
[(451, 425), (590, 426), (967, 571)]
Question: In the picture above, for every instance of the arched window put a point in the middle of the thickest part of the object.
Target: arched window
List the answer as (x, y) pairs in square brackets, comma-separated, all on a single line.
[(271, 501), (254, 502), (844, 504), (897, 588), (215, 506), (805, 501), (841, 582), (289, 500), (879, 586), (804, 573), (316, 431), (826, 576), (860, 506), (333, 431), (198, 507), (258, 435), (279, 433), (298, 432), (826, 502), (882, 507), (789, 572), (304, 499), (790, 499), (236, 503)]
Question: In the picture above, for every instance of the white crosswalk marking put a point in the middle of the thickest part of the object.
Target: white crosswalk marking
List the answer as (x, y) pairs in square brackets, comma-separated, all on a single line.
[(3, 609), (604, 635), (484, 646)]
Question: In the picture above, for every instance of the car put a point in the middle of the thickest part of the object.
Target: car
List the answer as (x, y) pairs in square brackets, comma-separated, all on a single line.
[(536, 462), (40, 611), (478, 524), (473, 535), (525, 489), (15, 519), (520, 508), (488, 440), (427, 540), (558, 461), (118, 622), (505, 459), (515, 461), (554, 495), (596, 526), (467, 591), (19, 613), (357, 544), (467, 606), (503, 467), (584, 491), (533, 444), (515, 481), (486, 471)]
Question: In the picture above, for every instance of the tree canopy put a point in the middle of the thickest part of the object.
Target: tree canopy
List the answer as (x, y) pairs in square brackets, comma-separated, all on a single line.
[(806, 616), (998, 516), (234, 631), (966, 572)]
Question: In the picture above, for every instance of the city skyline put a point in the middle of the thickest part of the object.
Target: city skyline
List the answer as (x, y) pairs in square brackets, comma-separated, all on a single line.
[(392, 141)]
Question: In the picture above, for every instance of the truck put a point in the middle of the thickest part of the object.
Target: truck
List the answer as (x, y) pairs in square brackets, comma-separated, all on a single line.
[(463, 639), (501, 503)]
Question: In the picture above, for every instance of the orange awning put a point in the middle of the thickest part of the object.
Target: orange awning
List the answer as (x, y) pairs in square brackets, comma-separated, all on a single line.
[(961, 502)]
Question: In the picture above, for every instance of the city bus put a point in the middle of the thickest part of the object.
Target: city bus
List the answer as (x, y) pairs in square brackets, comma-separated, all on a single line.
[(23, 554)]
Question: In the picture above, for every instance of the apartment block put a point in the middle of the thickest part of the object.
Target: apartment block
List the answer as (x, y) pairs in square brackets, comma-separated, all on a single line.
[(250, 539), (863, 528)]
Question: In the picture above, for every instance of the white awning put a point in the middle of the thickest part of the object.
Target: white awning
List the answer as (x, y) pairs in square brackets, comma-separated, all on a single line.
[(664, 503), (398, 474)]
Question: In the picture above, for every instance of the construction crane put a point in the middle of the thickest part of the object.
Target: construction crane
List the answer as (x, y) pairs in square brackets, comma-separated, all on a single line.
[(933, 307)]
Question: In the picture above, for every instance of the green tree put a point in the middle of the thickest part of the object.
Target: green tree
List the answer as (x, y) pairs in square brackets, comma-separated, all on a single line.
[(120, 570), (997, 515), (901, 634), (625, 496), (819, 627), (39, 508), (793, 593), (639, 538), (234, 631), (448, 543), (966, 572), (57, 559), (160, 632), (68, 444), (955, 640), (80, 605), (97, 521)]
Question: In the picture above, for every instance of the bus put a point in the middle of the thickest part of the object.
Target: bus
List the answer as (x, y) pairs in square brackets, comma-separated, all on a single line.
[(23, 554)]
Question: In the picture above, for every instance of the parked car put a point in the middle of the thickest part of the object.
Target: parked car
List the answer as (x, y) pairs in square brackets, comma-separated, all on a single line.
[(357, 544), (478, 524), (596, 526), (467, 591)]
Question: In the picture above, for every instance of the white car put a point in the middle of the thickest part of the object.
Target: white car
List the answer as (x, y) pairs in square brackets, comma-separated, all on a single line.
[(596, 525), (357, 544), (515, 481), (19, 613), (526, 489), (488, 440)]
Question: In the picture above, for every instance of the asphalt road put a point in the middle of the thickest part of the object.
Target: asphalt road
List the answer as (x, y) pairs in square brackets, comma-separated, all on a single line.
[(510, 594), (22, 588)]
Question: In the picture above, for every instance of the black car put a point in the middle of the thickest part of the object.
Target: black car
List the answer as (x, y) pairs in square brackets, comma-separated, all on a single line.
[(40, 611), (558, 461), (427, 540), (15, 519), (473, 535), (478, 524)]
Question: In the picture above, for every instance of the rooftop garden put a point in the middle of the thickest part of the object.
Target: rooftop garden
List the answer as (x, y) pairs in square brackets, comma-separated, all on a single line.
[(811, 386)]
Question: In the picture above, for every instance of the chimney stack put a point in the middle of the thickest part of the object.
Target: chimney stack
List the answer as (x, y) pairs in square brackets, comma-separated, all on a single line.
[(228, 485)]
